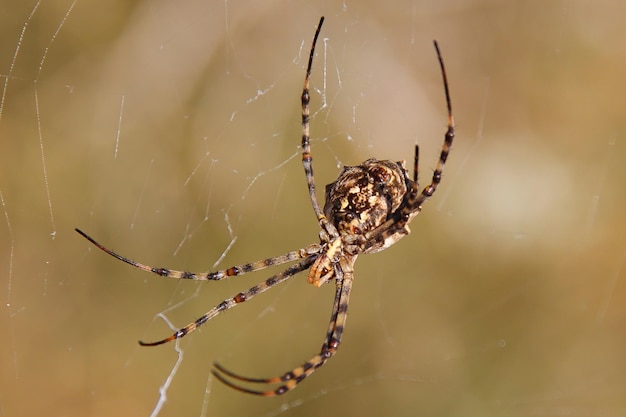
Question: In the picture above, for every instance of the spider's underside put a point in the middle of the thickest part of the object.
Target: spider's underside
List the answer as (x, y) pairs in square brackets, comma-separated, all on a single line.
[(367, 209)]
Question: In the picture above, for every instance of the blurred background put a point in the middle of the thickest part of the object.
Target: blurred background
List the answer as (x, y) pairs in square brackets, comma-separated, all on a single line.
[(169, 131)]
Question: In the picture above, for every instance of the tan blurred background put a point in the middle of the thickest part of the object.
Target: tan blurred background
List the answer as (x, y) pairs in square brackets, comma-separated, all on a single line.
[(170, 130)]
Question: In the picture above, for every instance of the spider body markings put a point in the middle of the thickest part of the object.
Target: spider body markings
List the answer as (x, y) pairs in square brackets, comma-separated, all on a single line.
[(367, 209)]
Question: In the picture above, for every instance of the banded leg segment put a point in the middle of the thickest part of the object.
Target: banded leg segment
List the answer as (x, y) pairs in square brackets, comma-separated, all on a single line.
[(237, 299), (290, 379), (211, 276), (416, 162), (447, 143), (413, 201), (307, 159)]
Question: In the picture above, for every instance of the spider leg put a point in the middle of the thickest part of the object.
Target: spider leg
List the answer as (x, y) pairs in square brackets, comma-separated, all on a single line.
[(343, 281), (416, 163), (447, 143), (211, 276), (307, 159), (413, 201), (237, 299)]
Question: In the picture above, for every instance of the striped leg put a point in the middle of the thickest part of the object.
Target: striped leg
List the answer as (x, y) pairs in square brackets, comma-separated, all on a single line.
[(344, 278), (416, 161), (237, 299), (307, 159), (413, 201), (212, 276), (447, 143)]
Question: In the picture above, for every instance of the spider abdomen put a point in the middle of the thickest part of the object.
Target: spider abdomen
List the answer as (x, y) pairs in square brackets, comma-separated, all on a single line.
[(363, 196)]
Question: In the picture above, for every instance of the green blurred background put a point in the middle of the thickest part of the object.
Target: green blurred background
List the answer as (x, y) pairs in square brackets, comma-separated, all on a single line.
[(170, 130)]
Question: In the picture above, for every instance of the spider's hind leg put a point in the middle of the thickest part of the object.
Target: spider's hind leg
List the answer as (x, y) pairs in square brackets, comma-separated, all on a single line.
[(290, 379)]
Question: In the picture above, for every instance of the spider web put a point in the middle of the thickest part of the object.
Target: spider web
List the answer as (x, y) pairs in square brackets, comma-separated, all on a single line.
[(169, 131)]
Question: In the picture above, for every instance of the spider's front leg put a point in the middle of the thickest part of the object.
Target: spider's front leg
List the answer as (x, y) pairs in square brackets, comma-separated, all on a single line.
[(307, 159), (416, 163), (322, 269), (328, 230), (396, 225)]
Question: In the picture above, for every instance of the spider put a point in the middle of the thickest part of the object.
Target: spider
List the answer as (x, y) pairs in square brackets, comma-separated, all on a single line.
[(368, 208)]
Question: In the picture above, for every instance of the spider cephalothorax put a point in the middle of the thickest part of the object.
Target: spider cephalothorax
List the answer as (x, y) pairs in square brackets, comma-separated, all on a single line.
[(368, 208)]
